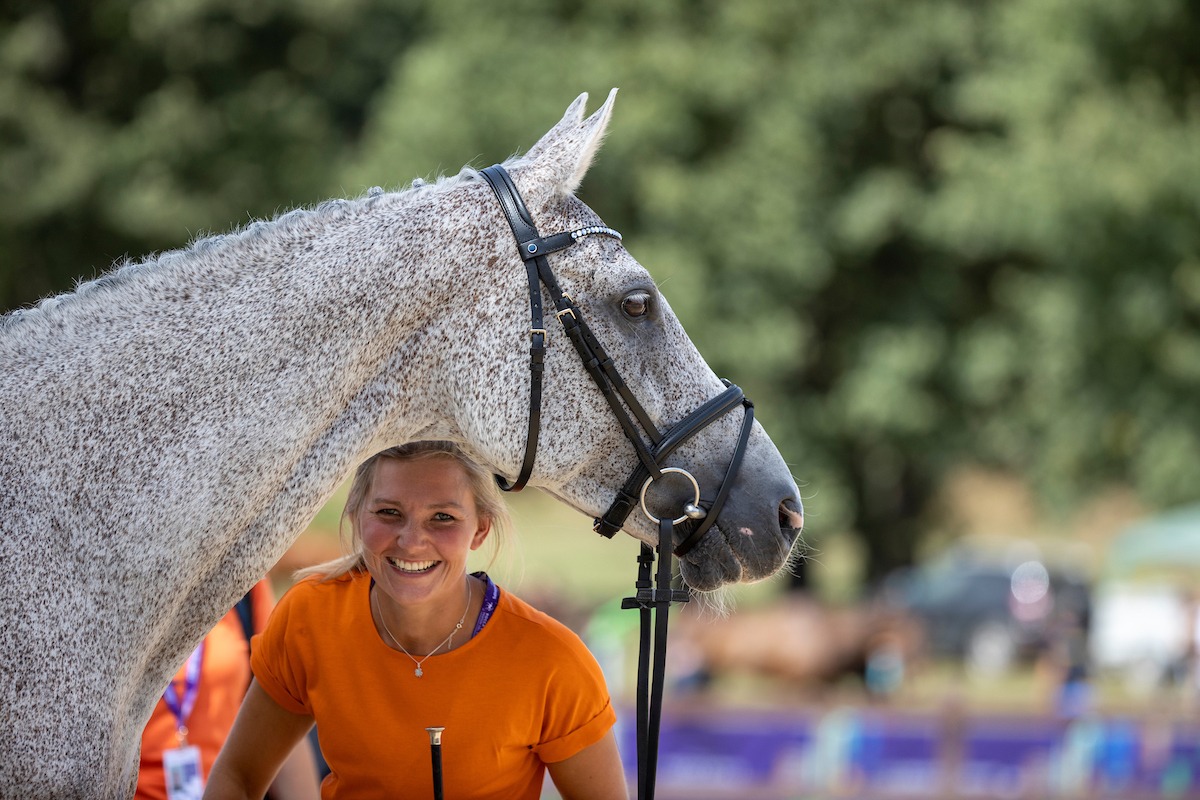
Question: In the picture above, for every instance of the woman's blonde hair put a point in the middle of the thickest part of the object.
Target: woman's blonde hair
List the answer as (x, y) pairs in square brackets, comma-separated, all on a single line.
[(489, 503)]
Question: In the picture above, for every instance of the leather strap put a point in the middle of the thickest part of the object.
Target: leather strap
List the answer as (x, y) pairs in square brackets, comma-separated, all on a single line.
[(653, 601), (691, 539), (533, 249), (523, 230)]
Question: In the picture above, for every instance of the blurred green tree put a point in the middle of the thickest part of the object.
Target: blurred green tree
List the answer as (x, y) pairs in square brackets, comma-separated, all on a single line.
[(919, 234), (128, 126)]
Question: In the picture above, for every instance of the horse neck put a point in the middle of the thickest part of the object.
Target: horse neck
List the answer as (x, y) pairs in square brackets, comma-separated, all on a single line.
[(312, 293)]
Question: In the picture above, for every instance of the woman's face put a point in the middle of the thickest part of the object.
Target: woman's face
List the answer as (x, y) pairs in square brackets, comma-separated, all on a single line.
[(418, 523)]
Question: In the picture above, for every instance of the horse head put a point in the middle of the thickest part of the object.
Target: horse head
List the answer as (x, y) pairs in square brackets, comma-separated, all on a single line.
[(583, 455)]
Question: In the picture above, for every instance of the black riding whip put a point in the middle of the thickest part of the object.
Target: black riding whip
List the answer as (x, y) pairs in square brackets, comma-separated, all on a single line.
[(435, 753)]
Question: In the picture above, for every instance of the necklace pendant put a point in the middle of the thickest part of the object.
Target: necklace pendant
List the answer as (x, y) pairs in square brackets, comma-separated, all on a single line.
[(418, 671)]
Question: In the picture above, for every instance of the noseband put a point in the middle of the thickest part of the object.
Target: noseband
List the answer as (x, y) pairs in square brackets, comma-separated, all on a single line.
[(697, 515)]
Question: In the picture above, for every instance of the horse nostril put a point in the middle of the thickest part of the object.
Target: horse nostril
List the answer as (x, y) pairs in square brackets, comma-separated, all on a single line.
[(791, 514)]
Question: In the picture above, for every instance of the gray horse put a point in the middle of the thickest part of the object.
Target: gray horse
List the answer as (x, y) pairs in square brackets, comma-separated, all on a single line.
[(168, 430)]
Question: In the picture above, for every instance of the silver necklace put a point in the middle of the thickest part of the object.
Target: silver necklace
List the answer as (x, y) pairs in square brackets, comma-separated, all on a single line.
[(418, 671)]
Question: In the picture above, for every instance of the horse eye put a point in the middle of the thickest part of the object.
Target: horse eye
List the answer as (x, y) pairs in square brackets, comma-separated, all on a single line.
[(636, 305)]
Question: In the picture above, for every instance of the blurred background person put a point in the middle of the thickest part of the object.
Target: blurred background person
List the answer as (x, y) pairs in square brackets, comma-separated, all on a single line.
[(193, 717)]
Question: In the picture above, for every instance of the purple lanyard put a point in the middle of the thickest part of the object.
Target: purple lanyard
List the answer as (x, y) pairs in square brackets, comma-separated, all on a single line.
[(491, 598), (182, 707)]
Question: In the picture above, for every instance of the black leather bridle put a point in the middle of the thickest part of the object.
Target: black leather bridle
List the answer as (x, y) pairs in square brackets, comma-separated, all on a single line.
[(652, 597)]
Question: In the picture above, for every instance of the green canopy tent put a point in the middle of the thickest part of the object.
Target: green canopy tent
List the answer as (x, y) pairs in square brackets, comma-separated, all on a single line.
[(1169, 541)]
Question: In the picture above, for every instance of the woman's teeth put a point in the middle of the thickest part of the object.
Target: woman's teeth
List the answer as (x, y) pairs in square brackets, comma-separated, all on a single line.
[(411, 566)]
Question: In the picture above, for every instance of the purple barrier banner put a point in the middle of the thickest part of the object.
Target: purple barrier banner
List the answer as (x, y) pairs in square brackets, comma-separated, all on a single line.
[(873, 754)]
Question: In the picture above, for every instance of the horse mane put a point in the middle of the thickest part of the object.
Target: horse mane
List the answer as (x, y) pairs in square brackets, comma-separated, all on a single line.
[(126, 270)]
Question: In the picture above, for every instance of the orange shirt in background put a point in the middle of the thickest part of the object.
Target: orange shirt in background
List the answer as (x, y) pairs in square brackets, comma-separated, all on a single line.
[(224, 678), (522, 693)]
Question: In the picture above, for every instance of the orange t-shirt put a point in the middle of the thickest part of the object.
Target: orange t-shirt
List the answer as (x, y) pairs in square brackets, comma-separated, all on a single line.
[(523, 693), (224, 678)]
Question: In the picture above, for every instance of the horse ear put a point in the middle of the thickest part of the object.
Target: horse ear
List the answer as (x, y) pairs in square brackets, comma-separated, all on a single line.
[(561, 158)]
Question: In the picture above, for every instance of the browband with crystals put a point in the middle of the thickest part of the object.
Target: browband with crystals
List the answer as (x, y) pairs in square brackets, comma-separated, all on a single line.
[(596, 229), (544, 245)]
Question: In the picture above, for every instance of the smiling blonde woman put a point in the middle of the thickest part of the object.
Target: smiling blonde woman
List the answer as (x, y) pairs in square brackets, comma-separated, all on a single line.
[(397, 637)]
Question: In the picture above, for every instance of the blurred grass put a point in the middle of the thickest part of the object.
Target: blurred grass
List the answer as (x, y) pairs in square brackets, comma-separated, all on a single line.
[(553, 549)]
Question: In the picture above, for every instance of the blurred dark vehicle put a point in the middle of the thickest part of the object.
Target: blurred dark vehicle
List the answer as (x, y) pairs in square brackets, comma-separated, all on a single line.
[(991, 610)]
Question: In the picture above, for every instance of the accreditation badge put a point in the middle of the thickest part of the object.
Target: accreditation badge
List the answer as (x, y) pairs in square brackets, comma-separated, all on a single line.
[(184, 778)]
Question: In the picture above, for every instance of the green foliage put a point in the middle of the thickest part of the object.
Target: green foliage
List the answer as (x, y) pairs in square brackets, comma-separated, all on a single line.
[(919, 234), (128, 127)]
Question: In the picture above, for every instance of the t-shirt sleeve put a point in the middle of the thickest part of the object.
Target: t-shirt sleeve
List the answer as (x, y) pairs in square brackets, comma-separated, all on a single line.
[(579, 711), (277, 668)]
